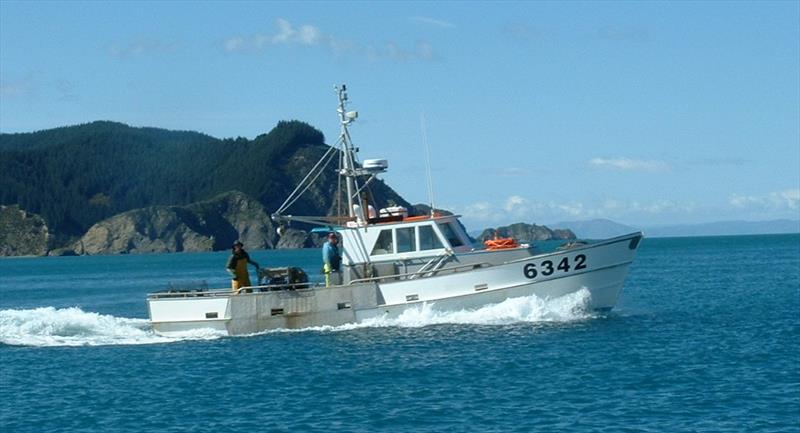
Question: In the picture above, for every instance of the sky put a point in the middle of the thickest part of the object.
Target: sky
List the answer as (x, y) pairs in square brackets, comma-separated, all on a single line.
[(646, 113)]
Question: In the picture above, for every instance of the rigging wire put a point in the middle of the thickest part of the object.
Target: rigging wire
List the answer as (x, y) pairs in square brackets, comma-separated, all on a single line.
[(294, 196), (427, 160)]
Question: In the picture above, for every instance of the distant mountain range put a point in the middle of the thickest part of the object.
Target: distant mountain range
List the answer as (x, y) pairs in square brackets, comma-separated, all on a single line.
[(724, 228), (603, 228), (596, 229)]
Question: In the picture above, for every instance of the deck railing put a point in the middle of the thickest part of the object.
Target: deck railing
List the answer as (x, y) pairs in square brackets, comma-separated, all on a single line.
[(202, 293), (421, 272)]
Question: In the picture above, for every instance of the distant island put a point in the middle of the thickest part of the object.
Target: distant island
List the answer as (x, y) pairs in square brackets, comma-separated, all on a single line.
[(523, 232)]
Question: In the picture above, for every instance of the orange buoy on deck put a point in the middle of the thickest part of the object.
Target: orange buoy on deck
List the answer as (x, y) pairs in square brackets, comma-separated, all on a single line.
[(500, 243)]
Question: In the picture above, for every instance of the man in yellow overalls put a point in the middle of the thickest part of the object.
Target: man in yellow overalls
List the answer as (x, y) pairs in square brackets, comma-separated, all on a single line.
[(237, 267)]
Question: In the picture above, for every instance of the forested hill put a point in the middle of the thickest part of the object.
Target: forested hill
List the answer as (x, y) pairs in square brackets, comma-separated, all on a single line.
[(76, 176), (70, 134)]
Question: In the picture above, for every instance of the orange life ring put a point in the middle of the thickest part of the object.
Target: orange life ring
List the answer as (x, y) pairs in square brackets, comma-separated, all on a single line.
[(500, 244)]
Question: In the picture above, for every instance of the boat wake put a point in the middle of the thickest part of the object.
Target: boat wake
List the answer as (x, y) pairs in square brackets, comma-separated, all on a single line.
[(528, 309), (50, 326), (531, 309)]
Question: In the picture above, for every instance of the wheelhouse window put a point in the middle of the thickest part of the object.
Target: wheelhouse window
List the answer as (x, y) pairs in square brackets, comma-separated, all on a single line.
[(428, 240), (406, 240), (450, 234), (384, 243)]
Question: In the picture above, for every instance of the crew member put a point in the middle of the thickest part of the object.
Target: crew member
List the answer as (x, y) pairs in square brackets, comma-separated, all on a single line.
[(331, 258), (237, 267)]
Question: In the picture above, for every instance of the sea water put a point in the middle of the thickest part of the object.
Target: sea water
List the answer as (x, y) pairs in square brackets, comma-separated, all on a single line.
[(705, 338)]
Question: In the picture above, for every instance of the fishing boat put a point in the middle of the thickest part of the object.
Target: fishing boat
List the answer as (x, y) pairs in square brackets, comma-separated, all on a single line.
[(393, 262)]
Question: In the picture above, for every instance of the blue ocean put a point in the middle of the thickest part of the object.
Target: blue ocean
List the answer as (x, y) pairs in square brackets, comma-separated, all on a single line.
[(705, 338)]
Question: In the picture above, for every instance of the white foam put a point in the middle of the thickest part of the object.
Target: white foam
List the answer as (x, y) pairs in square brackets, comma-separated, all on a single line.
[(528, 309), (50, 326)]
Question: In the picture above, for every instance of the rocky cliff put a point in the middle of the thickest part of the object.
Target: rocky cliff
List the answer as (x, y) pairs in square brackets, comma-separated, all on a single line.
[(294, 238), (22, 233), (204, 226), (527, 233)]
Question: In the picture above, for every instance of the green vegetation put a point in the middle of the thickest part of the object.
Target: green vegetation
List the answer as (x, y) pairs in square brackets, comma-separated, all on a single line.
[(76, 176), (21, 233)]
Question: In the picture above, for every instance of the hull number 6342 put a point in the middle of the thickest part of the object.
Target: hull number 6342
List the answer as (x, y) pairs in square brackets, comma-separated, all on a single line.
[(548, 267)]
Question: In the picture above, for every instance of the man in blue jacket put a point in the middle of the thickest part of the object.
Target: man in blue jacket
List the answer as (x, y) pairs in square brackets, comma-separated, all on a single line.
[(331, 258)]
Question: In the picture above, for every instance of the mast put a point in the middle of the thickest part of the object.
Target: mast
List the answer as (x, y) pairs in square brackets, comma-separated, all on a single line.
[(348, 150)]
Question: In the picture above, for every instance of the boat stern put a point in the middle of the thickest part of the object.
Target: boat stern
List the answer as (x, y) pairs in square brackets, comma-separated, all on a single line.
[(180, 312)]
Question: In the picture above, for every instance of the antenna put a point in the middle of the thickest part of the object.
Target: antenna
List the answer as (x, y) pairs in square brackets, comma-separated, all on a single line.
[(427, 160)]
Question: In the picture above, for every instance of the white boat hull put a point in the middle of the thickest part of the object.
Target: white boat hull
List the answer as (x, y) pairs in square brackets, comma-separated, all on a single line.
[(600, 269)]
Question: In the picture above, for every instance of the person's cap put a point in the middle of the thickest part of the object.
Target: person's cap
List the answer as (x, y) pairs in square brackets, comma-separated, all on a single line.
[(238, 243), (331, 235)]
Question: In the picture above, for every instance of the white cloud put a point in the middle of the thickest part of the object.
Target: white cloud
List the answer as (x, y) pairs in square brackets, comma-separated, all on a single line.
[(234, 44), (434, 22), (788, 199), (573, 209), (660, 207), (480, 211), (628, 164), (308, 35), (612, 205), (513, 203), (516, 208), (287, 34), (396, 53)]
